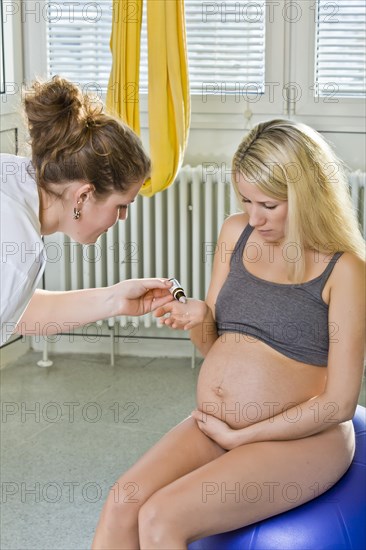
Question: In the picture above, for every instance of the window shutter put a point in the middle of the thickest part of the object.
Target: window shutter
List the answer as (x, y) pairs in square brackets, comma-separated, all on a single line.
[(78, 37), (226, 44), (340, 66)]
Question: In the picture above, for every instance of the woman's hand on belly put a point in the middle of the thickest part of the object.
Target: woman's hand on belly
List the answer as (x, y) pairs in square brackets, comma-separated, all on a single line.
[(216, 429)]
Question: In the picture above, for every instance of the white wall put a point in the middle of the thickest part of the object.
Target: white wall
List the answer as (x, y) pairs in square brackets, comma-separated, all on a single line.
[(220, 145), (209, 145)]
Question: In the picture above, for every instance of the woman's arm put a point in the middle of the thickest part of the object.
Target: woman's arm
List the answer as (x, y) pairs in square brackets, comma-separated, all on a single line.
[(344, 375), (204, 335), (194, 315), (55, 312), (198, 316)]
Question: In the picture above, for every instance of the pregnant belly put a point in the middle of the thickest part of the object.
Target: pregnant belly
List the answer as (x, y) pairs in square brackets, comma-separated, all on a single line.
[(243, 382)]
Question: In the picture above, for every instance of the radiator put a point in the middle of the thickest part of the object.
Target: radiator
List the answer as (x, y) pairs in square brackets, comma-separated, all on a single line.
[(172, 234), (357, 182)]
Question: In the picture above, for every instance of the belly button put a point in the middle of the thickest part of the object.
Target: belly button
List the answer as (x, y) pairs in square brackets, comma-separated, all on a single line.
[(219, 390)]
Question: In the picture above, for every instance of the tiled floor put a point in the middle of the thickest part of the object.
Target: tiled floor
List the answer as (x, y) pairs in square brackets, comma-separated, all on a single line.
[(69, 431)]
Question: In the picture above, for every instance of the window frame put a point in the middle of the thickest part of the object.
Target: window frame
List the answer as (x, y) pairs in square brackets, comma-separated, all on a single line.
[(335, 113), (286, 62), (13, 62), (35, 51)]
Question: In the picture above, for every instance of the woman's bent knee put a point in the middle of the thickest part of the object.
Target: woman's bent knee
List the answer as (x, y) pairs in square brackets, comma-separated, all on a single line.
[(120, 512), (155, 524)]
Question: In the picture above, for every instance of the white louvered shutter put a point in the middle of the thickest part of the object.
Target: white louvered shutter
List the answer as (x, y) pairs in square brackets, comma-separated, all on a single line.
[(226, 44), (78, 38), (340, 65)]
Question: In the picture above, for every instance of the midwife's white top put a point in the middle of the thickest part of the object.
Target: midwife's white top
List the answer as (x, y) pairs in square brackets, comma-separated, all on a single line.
[(22, 250)]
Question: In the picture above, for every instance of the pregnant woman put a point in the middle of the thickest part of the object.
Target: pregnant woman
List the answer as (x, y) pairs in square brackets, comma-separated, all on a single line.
[(282, 333)]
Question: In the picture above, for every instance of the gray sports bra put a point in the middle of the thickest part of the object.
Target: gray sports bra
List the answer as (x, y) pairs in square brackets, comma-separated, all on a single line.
[(291, 318)]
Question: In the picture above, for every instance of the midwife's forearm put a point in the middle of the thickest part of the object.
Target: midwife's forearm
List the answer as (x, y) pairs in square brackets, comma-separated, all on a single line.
[(55, 312)]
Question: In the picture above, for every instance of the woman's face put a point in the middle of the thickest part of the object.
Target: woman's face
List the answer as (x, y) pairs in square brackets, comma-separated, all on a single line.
[(267, 215), (97, 216)]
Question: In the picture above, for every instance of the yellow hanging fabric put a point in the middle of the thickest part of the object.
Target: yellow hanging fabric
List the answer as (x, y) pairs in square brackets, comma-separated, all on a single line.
[(169, 99), (123, 86)]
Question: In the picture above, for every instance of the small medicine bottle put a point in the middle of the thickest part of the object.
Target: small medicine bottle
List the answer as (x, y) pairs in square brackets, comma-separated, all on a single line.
[(177, 291)]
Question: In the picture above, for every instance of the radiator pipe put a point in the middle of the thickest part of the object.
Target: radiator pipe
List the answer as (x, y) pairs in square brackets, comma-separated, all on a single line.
[(112, 334), (45, 362), (193, 357)]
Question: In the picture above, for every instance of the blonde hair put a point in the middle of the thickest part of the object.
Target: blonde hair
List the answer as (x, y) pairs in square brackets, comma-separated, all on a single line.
[(73, 139), (290, 161)]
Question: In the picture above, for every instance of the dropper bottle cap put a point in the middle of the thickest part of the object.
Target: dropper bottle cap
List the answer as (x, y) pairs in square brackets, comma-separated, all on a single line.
[(177, 291)]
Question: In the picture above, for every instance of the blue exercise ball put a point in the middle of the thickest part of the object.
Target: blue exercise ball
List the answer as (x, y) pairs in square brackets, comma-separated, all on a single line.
[(336, 520)]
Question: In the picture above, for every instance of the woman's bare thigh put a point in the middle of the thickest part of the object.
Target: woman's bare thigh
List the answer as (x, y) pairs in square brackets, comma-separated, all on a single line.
[(183, 449), (248, 484)]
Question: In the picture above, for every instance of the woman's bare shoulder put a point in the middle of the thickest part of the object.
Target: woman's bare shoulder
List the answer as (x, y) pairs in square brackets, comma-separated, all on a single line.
[(233, 226), (349, 261), (350, 269)]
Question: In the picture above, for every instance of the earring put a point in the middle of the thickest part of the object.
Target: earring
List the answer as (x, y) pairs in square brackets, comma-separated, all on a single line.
[(76, 215), (77, 212)]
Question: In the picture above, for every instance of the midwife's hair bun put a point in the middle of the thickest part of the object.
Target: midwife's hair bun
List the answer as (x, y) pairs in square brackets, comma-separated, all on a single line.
[(73, 139), (57, 111)]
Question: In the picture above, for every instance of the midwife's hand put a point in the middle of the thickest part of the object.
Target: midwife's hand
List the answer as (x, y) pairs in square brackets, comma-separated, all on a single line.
[(216, 429), (183, 316), (139, 296)]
